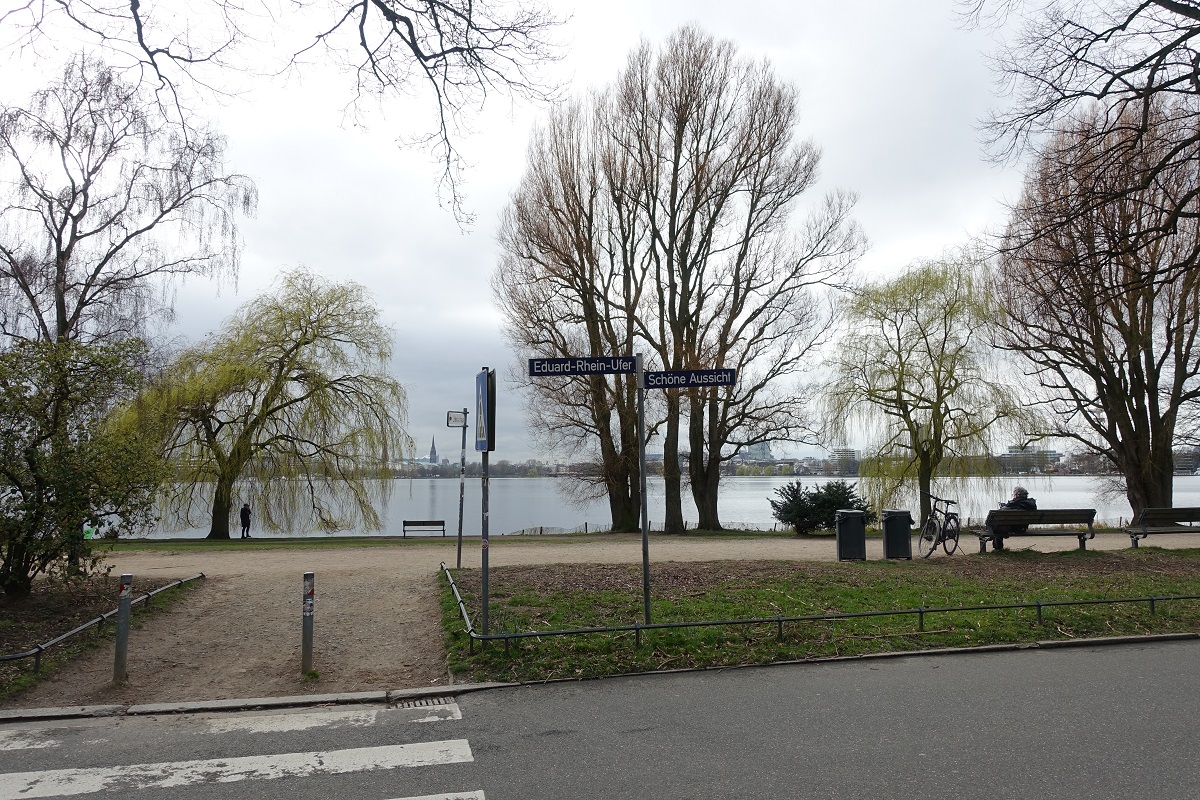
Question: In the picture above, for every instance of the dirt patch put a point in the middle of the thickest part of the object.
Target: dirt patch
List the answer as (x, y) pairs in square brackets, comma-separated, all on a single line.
[(377, 624)]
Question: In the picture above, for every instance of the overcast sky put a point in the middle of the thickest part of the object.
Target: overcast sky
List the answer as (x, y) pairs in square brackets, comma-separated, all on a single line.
[(891, 91)]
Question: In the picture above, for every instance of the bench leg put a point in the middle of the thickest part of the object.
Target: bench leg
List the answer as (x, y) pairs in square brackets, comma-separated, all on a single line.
[(1133, 541), (983, 544), (997, 543), (1082, 543)]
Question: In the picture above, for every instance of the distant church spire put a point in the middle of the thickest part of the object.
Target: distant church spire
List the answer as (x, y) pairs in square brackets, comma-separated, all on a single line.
[(433, 459)]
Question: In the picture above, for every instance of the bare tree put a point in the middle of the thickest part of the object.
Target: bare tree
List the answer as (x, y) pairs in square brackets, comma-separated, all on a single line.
[(712, 136), (569, 285), (101, 199), (1112, 342), (455, 52), (662, 214), (1129, 63)]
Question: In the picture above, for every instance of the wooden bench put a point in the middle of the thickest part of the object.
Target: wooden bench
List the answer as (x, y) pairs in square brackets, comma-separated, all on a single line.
[(1005, 517), (1162, 520), (423, 525)]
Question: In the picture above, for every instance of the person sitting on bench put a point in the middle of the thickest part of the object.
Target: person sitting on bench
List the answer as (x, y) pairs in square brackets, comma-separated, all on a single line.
[(1021, 501)]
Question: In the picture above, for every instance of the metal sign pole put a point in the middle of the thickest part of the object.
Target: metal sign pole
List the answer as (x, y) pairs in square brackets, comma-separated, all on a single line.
[(486, 598), (641, 420), (485, 441), (462, 482)]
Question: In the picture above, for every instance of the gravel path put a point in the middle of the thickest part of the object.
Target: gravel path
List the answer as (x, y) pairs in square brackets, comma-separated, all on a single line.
[(376, 625)]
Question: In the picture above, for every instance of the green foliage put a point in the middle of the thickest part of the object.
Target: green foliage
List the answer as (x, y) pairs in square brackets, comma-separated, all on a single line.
[(917, 372), (550, 597), (812, 509), (64, 461), (289, 407)]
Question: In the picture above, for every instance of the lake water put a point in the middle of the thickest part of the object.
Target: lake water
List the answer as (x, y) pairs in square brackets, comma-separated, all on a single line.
[(530, 504)]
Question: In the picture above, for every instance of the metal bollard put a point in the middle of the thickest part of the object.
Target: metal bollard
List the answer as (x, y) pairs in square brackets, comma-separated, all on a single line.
[(124, 606), (310, 596)]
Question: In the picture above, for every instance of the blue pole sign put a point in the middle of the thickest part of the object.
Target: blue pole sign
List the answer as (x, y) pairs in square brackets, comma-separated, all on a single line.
[(485, 410), (690, 378)]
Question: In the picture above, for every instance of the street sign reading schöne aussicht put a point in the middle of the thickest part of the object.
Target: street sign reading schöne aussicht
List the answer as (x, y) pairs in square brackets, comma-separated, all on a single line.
[(688, 378), (583, 365)]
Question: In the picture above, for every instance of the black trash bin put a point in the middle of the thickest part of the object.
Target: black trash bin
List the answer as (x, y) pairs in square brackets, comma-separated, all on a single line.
[(897, 533), (851, 535)]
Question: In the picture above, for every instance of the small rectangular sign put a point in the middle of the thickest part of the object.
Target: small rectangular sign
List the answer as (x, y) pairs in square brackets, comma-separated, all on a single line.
[(456, 419), (690, 378), (583, 365)]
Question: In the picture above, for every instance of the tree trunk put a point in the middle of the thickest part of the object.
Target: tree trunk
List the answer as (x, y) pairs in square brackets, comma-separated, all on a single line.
[(1149, 473), (925, 483), (624, 505), (618, 456), (672, 479), (704, 466), (15, 571), (222, 507)]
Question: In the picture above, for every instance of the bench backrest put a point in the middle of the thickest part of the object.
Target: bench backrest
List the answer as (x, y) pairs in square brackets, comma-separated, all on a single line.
[(1155, 517), (424, 523), (1050, 516)]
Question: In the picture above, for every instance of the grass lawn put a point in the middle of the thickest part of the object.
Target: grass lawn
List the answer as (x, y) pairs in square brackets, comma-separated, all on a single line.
[(542, 598)]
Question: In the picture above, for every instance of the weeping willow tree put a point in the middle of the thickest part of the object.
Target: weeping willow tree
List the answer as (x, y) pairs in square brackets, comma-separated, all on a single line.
[(916, 376), (289, 407)]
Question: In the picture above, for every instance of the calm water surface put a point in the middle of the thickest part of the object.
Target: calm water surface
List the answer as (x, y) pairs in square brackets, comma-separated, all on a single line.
[(524, 504)]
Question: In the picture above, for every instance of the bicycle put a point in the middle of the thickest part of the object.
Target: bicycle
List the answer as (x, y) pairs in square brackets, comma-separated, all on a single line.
[(941, 527)]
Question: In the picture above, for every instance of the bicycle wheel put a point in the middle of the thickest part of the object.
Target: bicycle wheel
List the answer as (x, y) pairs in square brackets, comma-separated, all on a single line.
[(950, 535), (927, 541)]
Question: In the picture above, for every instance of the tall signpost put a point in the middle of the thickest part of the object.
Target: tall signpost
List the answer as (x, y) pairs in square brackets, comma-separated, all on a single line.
[(485, 442), (613, 365), (641, 416), (458, 419)]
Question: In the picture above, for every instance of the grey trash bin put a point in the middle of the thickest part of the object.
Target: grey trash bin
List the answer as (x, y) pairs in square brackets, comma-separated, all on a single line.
[(897, 533), (851, 535)]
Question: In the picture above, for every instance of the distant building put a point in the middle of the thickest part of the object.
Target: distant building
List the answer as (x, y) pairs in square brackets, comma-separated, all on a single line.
[(433, 458), (844, 461), (758, 452), (1028, 459)]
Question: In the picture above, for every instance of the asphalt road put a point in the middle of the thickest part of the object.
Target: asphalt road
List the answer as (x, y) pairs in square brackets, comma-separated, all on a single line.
[(1106, 722)]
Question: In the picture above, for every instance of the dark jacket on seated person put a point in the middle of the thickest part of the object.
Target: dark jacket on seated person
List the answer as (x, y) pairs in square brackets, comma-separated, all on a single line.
[(1016, 504)]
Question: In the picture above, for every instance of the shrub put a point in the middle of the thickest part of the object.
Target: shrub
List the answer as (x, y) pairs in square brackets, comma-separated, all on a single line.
[(810, 509)]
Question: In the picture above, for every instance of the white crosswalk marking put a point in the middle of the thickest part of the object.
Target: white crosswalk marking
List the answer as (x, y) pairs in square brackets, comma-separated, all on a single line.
[(441, 713), (451, 796), (278, 723), (63, 782), (25, 740)]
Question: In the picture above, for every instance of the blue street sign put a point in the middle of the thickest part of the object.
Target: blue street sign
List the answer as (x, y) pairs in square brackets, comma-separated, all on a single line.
[(582, 365), (690, 378), (485, 410)]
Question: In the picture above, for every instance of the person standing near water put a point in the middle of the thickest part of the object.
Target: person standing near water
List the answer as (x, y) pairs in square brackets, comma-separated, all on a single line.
[(245, 514)]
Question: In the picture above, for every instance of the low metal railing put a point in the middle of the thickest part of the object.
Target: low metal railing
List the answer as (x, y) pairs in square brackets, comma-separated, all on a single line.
[(98, 623), (778, 621)]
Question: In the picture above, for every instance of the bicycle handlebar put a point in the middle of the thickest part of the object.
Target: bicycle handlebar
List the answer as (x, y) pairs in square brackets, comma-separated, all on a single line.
[(940, 499)]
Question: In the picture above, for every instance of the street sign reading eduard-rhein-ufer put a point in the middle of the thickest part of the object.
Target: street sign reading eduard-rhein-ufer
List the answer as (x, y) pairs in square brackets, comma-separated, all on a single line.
[(690, 378), (582, 365)]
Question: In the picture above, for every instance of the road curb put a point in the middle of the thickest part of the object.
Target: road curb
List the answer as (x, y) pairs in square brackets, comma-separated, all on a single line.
[(940, 651), (390, 697), (396, 696)]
